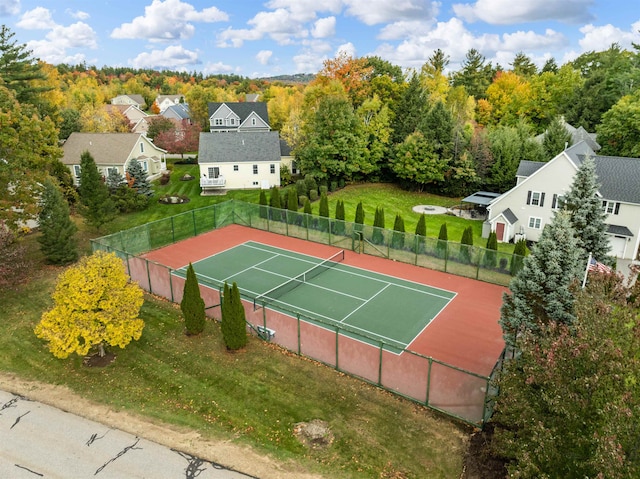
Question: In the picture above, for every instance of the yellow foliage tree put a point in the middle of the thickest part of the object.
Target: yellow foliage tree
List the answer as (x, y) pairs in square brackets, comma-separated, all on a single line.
[(95, 303)]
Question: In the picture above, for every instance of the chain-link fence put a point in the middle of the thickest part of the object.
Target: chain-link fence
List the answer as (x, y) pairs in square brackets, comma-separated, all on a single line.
[(447, 388)]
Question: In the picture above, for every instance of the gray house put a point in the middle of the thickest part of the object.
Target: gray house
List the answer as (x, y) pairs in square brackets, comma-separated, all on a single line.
[(238, 116), (524, 210)]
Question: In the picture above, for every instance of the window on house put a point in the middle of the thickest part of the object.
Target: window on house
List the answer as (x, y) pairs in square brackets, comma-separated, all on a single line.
[(534, 222), (235, 168), (141, 147), (272, 169), (145, 166), (255, 169), (294, 168), (558, 202), (232, 121), (611, 207), (535, 198), (255, 183), (253, 121), (76, 170), (218, 121), (109, 169)]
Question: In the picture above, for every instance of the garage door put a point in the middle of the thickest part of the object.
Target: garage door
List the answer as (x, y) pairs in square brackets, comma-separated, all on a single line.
[(617, 245)]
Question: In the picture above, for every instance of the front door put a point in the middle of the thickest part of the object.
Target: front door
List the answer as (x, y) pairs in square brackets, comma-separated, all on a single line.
[(500, 231)]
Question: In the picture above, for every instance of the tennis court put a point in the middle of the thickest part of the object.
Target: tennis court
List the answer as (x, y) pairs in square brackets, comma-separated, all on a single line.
[(390, 310)]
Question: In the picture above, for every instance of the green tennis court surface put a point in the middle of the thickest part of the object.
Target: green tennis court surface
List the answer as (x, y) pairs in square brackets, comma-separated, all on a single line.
[(330, 293)]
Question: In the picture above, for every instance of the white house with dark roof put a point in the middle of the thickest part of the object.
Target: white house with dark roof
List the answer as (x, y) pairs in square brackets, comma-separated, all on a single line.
[(113, 151), (238, 116), (524, 210), (239, 160)]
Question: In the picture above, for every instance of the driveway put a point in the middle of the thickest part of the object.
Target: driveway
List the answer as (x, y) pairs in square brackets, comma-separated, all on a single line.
[(37, 440)]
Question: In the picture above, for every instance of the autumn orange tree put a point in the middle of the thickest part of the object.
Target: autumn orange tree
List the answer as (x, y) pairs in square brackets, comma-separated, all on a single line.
[(95, 304)]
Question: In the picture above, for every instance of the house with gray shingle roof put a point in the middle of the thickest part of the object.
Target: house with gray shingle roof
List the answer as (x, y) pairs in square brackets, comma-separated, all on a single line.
[(238, 116), (114, 151), (137, 100), (239, 160), (524, 210), (577, 135)]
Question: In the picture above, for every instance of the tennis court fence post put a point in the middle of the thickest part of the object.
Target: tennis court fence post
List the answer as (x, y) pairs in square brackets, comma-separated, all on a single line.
[(337, 347), (146, 262), (171, 285), (380, 364), (173, 232), (299, 334), (195, 226), (428, 380)]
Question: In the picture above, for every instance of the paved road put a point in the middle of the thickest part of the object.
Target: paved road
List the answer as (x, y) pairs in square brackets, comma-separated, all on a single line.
[(37, 440)]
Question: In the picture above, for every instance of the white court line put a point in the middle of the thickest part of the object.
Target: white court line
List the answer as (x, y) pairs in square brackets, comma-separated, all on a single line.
[(369, 277), (363, 304)]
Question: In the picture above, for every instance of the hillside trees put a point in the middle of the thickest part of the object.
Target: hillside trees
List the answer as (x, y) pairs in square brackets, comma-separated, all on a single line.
[(619, 130), (415, 162), (95, 304)]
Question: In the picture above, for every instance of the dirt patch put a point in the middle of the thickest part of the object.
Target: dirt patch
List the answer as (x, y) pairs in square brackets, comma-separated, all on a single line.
[(226, 453), (97, 361), (480, 462), (315, 434)]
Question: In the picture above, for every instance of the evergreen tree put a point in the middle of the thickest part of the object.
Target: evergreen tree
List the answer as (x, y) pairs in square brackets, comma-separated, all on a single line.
[(556, 138), (397, 240), (490, 259), (226, 307), (541, 291), (442, 246), (263, 204), (114, 180), (292, 199), (323, 212), (95, 204), (275, 203), (307, 206), (339, 226), (475, 74), (421, 233), (377, 237), (586, 215), (437, 128), (57, 241), (18, 70), (359, 219), (138, 179), (517, 259), (239, 320), (466, 244), (192, 304), (408, 110)]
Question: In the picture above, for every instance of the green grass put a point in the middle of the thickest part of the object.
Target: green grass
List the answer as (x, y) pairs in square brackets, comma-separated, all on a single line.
[(253, 397)]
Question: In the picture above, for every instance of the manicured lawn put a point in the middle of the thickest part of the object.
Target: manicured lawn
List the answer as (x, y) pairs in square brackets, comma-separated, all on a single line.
[(253, 397)]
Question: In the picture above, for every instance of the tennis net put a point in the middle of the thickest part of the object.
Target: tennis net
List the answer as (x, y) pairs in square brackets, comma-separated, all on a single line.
[(291, 284)]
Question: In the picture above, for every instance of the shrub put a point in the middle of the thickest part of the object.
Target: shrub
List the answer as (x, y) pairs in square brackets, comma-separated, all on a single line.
[(192, 304), (397, 240), (519, 253), (443, 242), (313, 195), (490, 255), (377, 237), (465, 245)]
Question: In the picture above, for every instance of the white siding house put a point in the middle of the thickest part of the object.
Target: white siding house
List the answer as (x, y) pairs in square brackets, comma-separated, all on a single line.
[(524, 210), (239, 160)]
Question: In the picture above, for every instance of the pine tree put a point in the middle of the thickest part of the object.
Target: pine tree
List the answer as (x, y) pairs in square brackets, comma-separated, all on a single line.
[(397, 240), (556, 138), (466, 244), (292, 199), (114, 180), (323, 212), (192, 304), (443, 242), (421, 233), (541, 291), (517, 259), (490, 259), (586, 214), (226, 308), (359, 219), (138, 178), (95, 204), (239, 323), (275, 203), (377, 237), (339, 226), (57, 241), (263, 204)]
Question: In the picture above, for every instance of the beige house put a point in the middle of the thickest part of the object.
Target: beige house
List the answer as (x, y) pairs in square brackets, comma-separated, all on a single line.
[(114, 151), (524, 210), (137, 100)]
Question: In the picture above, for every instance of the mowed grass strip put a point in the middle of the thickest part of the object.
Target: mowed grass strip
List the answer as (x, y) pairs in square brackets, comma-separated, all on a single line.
[(253, 397)]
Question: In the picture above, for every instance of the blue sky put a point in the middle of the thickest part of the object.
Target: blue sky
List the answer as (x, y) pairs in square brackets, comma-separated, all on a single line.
[(274, 37)]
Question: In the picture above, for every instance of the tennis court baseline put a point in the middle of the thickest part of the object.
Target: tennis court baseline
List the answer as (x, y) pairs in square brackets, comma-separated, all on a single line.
[(327, 292)]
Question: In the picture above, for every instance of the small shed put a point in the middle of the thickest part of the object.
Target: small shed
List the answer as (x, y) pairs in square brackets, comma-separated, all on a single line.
[(480, 199)]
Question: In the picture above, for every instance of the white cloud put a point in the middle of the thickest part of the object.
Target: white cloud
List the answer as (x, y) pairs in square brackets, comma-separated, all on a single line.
[(236, 38), (601, 38), (527, 41), (372, 12), (37, 19), (404, 29), (306, 10), (79, 14), (347, 48), (167, 20), (9, 7), (508, 12), (308, 62), (54, 53), (218, 67), (324, 27), (53, 49), (173, 57), (264, 56)]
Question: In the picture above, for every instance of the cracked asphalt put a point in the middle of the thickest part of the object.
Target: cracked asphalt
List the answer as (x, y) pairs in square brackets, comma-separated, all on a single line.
[(37, 440)]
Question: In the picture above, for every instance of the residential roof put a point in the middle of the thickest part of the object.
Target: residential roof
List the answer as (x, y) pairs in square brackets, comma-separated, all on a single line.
[(285, 148), (180, 110), (105, 148), (481, 198), (619, 230), (577, 135), (139, 99), (238, 147), (527, 168), (509, 216), (242, 109)]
